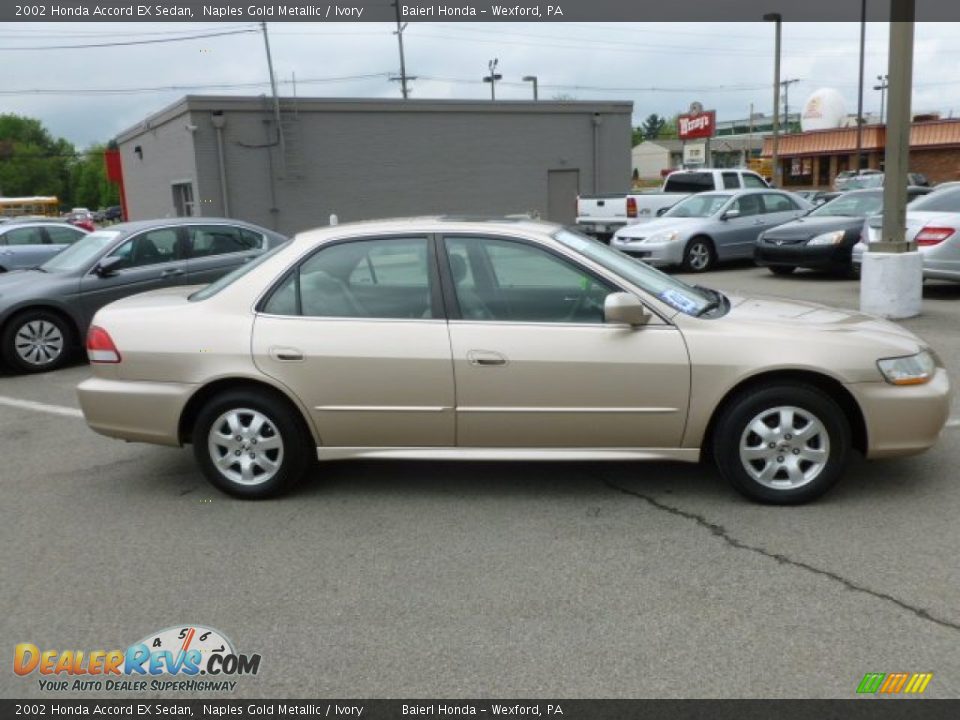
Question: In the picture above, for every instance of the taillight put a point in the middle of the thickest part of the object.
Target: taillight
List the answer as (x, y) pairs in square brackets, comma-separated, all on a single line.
[(100, 347), (933, 235), (631, 207)]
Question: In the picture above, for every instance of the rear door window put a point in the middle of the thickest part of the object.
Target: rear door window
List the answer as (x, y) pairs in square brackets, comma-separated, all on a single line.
[(25, 236), (209, 240), (731, 181), (753, 181)]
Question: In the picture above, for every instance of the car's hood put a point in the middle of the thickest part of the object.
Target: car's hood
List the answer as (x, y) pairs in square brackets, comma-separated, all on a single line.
[(799, 316), (646, 229), (806, 228), (22, 283)]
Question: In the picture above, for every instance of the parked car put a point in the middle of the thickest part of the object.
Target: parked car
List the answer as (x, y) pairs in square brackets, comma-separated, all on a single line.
[(875, 179), (45, 312), (843, 178), (825, 238), (113, 214), (28, 243), (933, 223), (439, 338), (816, 197), (698, 232), (946, 185), (602, 215)]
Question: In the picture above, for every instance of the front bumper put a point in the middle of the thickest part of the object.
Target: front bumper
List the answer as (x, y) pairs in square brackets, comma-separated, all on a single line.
[(137, 411), (801, 255), (660, 254), (903, 420)]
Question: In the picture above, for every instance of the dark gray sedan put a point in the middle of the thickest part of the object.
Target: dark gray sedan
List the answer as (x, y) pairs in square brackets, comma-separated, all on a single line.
[(45, 312)]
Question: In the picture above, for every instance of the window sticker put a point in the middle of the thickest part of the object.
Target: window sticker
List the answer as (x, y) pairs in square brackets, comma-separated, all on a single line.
[(678, 300)]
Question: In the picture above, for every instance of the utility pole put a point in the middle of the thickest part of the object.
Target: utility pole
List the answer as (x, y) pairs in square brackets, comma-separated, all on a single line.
[(492, 78), (863, 34), (786, 100), (403, 64), (276, 98), (882, 87), (775, 159), (892, 272)]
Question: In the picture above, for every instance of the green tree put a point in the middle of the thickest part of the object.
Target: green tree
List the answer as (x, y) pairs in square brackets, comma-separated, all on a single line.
[(652, 126), (34, 162), (89, 184)]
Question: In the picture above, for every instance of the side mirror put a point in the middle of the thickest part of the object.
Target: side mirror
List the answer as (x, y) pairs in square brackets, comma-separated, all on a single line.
[(730, 214), (625, 309), (662, 211), (108, 266)]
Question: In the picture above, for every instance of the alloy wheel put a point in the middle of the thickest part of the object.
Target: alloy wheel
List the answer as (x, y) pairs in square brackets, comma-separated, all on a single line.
[(245, 446), (784, 448), (38, 342)]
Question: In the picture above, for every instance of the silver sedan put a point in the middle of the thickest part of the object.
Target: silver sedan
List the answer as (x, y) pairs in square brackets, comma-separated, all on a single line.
[(704, 229), (933, 223)]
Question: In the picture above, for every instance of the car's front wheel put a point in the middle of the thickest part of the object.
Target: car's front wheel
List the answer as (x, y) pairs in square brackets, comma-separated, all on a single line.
[(783, 444), (782, 269), (699, 255), (252, 444), (37, 341)]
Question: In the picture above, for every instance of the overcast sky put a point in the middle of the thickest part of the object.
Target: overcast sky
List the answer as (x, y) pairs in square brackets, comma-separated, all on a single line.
[(660, 67)]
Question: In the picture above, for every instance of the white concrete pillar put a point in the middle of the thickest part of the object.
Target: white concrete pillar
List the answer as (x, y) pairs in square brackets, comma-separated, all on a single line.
[(891, 284)]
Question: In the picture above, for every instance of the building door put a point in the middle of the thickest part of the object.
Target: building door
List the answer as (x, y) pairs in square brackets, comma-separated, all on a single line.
[(563, 186), (183, 199)]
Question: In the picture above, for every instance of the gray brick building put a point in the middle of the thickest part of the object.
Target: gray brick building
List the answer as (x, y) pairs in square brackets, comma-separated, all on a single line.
[(364, 159)]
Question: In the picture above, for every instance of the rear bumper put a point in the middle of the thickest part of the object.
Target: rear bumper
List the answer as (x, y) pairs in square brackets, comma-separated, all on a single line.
[(815, 256), (903, 420), (137, 411), (599, 228)]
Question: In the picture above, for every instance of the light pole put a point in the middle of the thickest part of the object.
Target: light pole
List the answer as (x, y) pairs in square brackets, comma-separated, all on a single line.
[(492, 78), (863, 33), (403, 65), (882, 87), (775, 160), (532, 79)]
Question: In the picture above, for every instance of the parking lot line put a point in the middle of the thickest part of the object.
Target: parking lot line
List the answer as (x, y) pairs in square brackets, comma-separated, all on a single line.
[(41, 407)]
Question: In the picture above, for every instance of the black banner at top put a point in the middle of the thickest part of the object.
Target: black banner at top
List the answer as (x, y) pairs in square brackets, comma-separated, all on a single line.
[(466, 10)]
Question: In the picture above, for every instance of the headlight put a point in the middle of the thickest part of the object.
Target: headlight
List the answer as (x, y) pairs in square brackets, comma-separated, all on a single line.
[(830, 238), (910, 370), (660, 237)]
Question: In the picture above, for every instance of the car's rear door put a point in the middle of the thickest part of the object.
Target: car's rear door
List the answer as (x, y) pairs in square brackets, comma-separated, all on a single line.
[(536, 366), (23, 247), (357, 332), (213, 250)]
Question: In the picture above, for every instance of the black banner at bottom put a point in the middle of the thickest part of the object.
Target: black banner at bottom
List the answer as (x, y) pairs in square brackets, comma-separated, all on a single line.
[(855, 709)]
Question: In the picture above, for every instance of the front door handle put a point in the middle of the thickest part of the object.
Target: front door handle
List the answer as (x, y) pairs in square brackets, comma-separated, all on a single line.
[(171, 272), (486, 358), (286, 354)]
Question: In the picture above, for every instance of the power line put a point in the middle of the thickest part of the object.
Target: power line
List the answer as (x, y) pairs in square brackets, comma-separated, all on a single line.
[(133, 42)]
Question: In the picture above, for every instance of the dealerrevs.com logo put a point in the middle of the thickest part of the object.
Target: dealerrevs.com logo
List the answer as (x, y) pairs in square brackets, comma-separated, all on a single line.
[(182, 658)]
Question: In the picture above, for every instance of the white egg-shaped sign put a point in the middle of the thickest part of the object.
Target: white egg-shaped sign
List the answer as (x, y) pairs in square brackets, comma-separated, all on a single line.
[(824, 109)]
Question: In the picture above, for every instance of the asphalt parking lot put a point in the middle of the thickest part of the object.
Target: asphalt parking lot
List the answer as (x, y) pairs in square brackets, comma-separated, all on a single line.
[(411, 579)]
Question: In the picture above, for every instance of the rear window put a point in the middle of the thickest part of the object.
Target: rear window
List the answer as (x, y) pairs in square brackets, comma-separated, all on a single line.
[(692, 182), (940, 201)]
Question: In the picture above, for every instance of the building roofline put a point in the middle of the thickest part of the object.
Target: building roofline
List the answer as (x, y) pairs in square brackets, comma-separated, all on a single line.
[(201, 103)]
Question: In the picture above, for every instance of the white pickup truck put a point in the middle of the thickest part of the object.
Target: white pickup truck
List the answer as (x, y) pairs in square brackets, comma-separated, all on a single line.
[(602, 215)]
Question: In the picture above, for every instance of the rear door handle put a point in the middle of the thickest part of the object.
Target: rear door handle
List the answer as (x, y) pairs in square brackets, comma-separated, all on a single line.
[(486, 358), (171, 272), (285, 354)]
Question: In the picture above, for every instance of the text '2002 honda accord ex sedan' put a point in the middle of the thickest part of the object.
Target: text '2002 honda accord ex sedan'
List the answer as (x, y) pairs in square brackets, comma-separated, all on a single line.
[(458, 338)]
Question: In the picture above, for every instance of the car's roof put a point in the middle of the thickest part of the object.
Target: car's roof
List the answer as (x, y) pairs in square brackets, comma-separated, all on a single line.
[(431, 223), (22, 222), (136, 225)]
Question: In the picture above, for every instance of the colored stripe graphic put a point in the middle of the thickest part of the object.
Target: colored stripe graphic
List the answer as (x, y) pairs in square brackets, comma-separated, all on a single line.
[(871, 683), (894, 683)]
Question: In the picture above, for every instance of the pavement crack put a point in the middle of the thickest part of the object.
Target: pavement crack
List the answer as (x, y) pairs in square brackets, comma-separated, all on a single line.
[(721, 532)]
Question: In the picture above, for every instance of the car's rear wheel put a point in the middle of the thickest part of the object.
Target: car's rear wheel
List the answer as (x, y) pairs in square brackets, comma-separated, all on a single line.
[(251, 444), (782, 269), (37, 341), (783, 444), (699, 255)]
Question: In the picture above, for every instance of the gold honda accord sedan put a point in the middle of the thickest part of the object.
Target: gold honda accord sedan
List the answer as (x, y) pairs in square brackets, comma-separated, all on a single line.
[(501, 340)]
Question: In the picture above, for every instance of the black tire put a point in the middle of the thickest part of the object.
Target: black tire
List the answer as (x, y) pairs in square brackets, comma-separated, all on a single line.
[(732, 429), (297, 453), (699, 255), (782, 269), (37, 341)]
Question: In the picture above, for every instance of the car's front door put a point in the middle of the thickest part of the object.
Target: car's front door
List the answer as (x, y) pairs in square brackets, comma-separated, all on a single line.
[(536, 366), (216, 249), (149, 260), (357, 332), (735, 234)]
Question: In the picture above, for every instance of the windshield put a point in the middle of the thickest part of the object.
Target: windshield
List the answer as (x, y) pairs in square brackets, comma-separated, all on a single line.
[(852, 205), (84, 251), (698, 206), (862, 182), (676, 294), (946, 200), (231, 277)]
